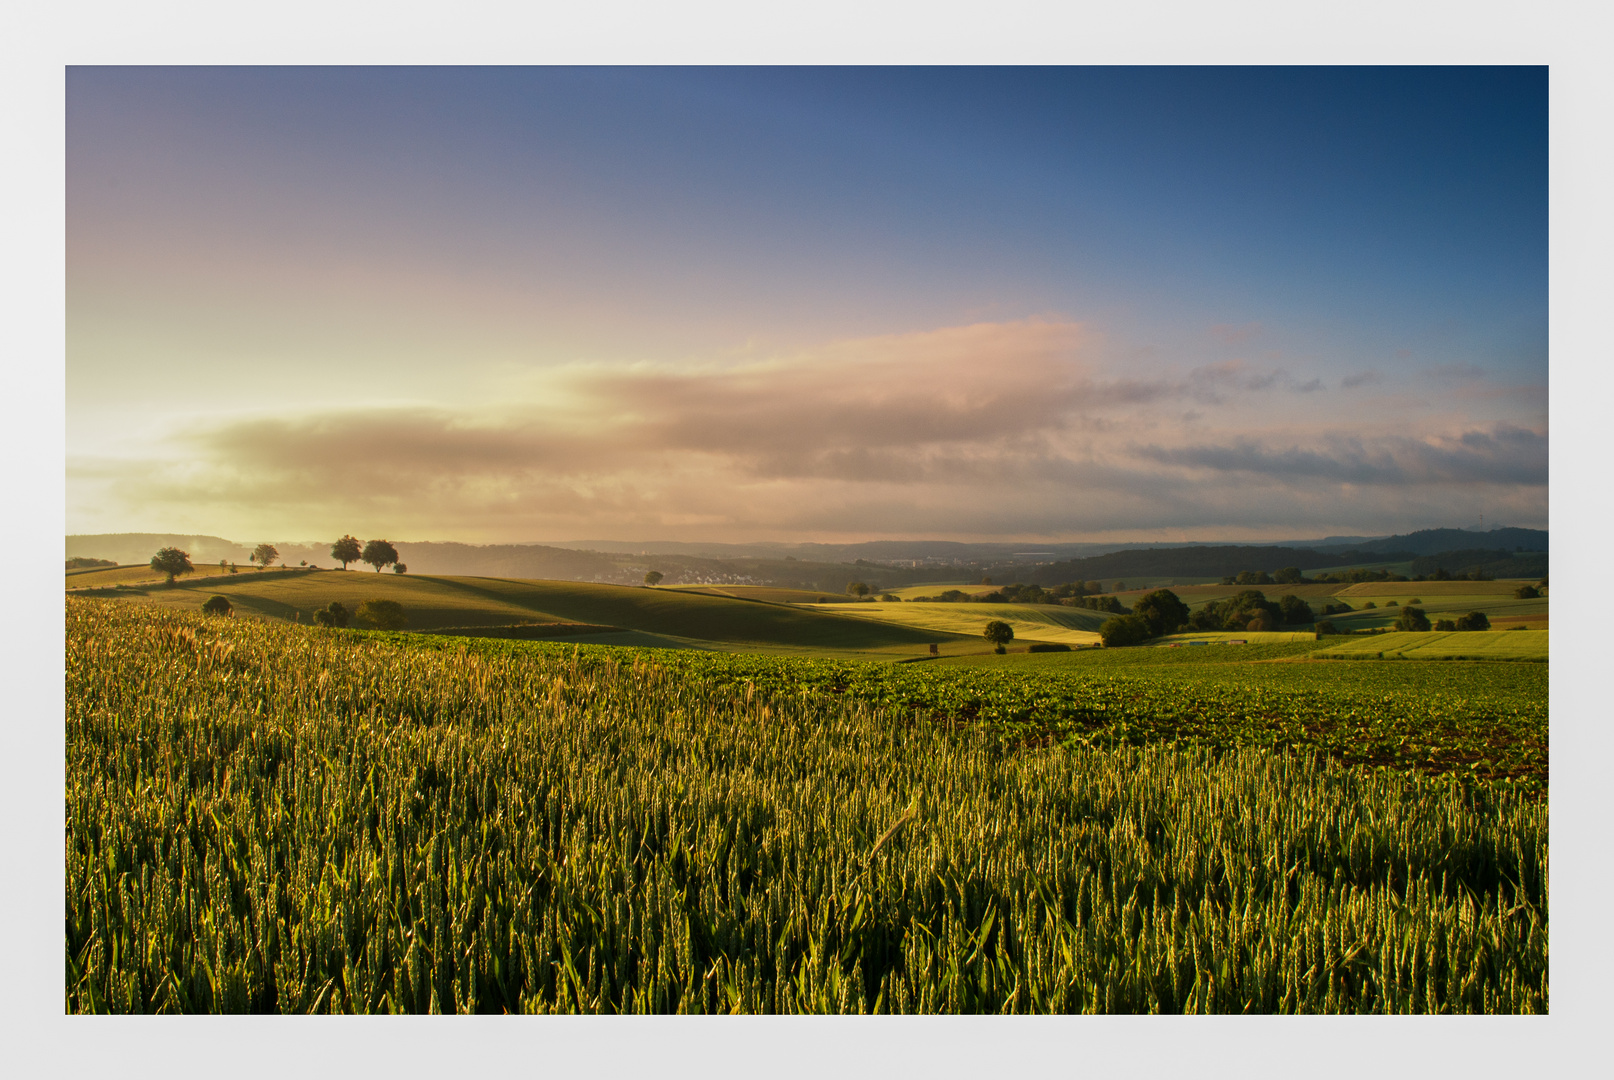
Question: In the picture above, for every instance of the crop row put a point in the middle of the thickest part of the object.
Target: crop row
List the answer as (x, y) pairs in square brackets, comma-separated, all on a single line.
[(272, 818), (1486, 722)]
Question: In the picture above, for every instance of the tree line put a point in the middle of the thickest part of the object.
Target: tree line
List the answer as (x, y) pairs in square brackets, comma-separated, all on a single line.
[(380, 554)]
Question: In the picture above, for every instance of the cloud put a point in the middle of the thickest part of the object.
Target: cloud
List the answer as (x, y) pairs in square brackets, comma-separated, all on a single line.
[(1006, 429), (1505, 455), (1359, 378)]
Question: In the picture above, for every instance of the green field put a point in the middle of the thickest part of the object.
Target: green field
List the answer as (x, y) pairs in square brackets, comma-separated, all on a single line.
[(1222, 637), (267, 817), (661, 617), (1031, 622), (1473, 645)]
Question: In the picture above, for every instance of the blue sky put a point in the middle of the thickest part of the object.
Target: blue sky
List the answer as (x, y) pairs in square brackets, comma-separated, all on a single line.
[(806, 303)]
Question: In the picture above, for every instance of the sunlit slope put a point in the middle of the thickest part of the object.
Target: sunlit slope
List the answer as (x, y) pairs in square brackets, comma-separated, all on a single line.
[(1473, 645), (436, 602), (1031, 622), (767, 593), (102, 577)]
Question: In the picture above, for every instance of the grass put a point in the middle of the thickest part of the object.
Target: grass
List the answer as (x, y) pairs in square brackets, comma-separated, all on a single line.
[(1031, 622), (660, 617), (263, 817), (1221, 637), (766, 593), (1471, 645), (105, 577)]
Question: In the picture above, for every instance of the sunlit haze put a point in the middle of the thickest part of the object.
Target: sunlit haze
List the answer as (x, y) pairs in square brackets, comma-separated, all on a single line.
[(735, 304)]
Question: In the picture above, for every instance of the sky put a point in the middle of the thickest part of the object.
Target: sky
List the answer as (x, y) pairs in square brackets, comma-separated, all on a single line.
[(835, 304)]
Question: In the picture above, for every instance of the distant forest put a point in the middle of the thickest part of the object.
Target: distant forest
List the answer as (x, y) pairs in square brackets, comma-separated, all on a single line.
[(1506, 552)]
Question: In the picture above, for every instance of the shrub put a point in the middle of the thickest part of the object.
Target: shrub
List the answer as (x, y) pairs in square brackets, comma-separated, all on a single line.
[(335, 615), (1000, 650), (400, 568), (380, 615), (1393, 603), (1474, 620), (1048, 646), (1527, 592), (1412, 618), (1370, 604), (1326, 627), (217, 605), (1445, 625)]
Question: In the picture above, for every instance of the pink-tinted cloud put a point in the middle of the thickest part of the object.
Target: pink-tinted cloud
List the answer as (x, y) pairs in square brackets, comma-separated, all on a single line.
[(993, 429)]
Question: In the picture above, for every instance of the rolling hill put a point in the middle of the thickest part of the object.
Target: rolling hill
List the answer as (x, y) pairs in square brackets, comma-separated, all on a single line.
[(652, 616)]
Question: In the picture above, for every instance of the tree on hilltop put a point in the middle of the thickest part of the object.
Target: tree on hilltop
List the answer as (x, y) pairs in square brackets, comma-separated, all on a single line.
[(172, 561), (263, 555), (346, 550), (652, 578), (379, 553)]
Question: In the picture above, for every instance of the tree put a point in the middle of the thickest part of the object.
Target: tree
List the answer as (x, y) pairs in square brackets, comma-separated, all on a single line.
[(1527, 592), (379, 553), (1162, 610), (1474, 620), (381, 615), (856, 588), (1295, 610), (1326, 627), (400, 568), (653, 578), (217, 605), (1123, 630), (333, 615), (1412, 618), (263, 555), (172, 561), (346, 550), (1289, 575), (999, 633), (1445, 625)]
